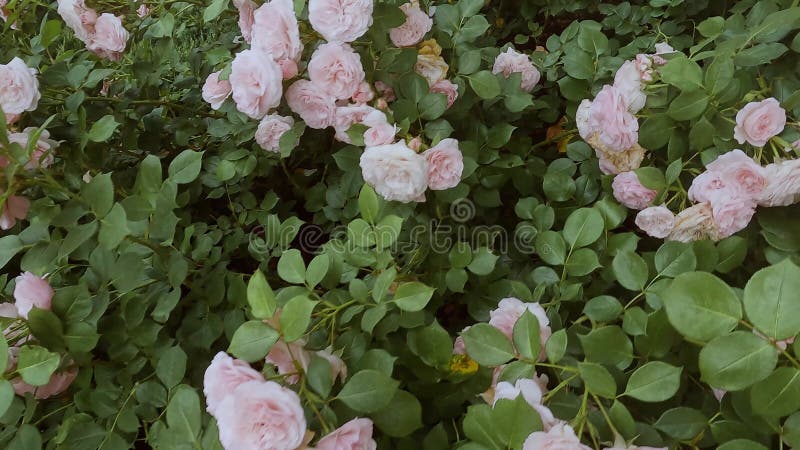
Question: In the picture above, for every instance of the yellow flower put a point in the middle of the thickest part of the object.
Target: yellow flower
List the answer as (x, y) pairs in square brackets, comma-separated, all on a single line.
[(430, 47), (462, 365)]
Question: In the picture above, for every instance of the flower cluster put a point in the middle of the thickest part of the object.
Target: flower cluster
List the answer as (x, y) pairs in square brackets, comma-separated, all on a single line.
[(103, 34)]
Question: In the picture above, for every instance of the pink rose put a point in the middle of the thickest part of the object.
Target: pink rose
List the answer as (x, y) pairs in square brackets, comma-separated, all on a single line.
[(732, 213), (656, 221), (354, 435), (289, 359), (559, 437), (630, 192), (347, 116), (58, 383), (509, 310), (739, 172), (275, 31), (338, 367), (259, 415), (758, 122), (695, 223), (706, 186), (616, 128), (447, 88), (78, 17), (247, 9), (15, 208), (396, 172), (445, 165), (340, 20), (255, 83), (270, 130), (222, 376), (783, 184), (109, 37), (42, 155), (628, 81), (415, 143), (380, 131), (142, 11), (215, 91), (513, 61), (32, 292), (336, 69), (19, 88), (311, 103), (417, 24), (363, 94)]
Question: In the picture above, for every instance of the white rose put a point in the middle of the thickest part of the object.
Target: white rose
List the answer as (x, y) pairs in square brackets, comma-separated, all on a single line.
[(395, 171), (19, 88), (628, 82)]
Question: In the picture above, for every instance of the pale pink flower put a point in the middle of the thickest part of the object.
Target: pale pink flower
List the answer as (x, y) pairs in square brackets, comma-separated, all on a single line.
[(42, 155), (459, 347), (19, 89), (445, 165), (706, 186), (142, 11), (739, 172), (215, 91), (630, 192), (380, 131), (628, 81), (58, 383), (289, 359), (417, 24), (415, 143), (222, 376), (488, 394), (447, 88), (275, 31), (336, 69), (353, 435), (395, 172), (509, 310), (338, 367), (270, 129), (261, 415), (255, 83), (109, 38), (432, 67), (644, 65), (695, 223), (15, 208), (718, 393), (583, 117), (340, 20), (758, 122), (512, 61), (78, 17), (363, 94), (662, 48), (347, 116), (247, 9), (656, 221), (732, 214), (31, 291), (311, 103), (783, 184), (616, 128), (559, 437)]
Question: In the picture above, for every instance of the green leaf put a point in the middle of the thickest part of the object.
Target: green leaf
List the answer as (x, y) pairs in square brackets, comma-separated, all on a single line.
[(688, 105), (682, 423), (741, 444), (776, 26), (213, 10), (36, 364), (551, 248), (9, 246), (592, 40), (485, 84), (401, 417), (778, 395), (760, 54), (487, 345), (412, 296), (583, 227), (253, 340), (295, 317), (630, 270), (113, 227), (432, 344), (556, 346), (368, 391), (701, 306), (183, 414), (514, 420), (771, 300), (260, 297), (674, 258), (6, 396), (655, 381), (368, 203), (527, 337), (479, 426), (47, 328), (736, 361), (682, 73), (3, 361), (171, 366), (483, 261), (185, 167), (608, 345), (99, 194), (102, 130), (604, 308), (582, 261), (597, 379), (291, 267), (317, 269)]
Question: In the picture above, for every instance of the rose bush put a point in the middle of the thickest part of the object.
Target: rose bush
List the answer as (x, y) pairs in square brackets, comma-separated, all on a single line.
[(361, 224)]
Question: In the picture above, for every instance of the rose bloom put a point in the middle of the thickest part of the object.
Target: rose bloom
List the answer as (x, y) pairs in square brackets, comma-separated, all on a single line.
[(559, 437), (644, 65), (447, 88), (345, 116), (336, 69), (19, 88), (582, 119), (247, 10), (354, 435), (396, 172), (215, 91), (738, 170), (628, 82), (732, 213), (15, 208), (222, 376), (261, 415), (694, 224), (415, 143), (513, 61), (255, 83), (78, 17), (706, 186), (380, 131), (42, 155), (31, 292), (284, 356), (445, 165), (429, 47), (617, 129), (311, 103), (532, 390), (363, 94), (109, 38), (612, 163), (758, 122), (275, 31), (340, 20), (656, 221), (270, 130), (432, 68), (58, 383), (783, 184), (630, 192), (417, 24), (509, 310)]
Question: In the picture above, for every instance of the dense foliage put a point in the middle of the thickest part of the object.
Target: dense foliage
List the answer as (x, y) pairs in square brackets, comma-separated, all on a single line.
[(457, 257)]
